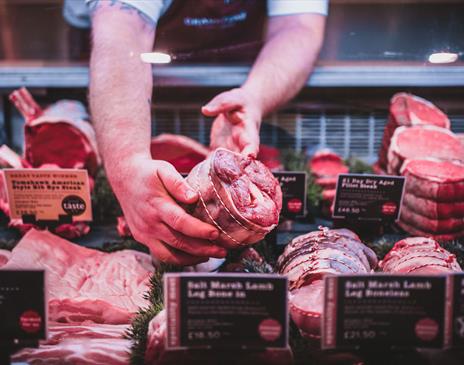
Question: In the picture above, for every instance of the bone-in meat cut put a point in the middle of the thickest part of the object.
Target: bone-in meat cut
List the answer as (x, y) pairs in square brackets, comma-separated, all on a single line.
[(239, 195), (85, 284), (305, 261)]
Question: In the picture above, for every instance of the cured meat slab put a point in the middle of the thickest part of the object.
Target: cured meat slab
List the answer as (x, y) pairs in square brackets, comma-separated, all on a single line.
[(415, 231), (409, 110), (432, 209), (441, 181), (85, 284), (305, 261), (419, 255), (421, 142), (432, 225), (85, 344), (239, 195)]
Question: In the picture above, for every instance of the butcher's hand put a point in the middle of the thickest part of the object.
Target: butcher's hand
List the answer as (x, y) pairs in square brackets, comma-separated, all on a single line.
[(237, 122), (149, 192)]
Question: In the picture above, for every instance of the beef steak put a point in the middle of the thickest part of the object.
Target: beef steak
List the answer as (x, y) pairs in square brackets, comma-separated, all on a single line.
[(421, 142)]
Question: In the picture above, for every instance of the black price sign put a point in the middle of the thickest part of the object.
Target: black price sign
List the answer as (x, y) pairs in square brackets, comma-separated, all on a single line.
[(293, 184), (226, 311), (456, 325), (22, 306), (384, 311), (368, 197)]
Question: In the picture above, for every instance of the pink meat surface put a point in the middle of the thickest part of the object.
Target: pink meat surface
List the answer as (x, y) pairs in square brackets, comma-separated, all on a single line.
[(409, 110), (4, 257), (432, 209), (421, 142), (419, 255), (432, 225), (85, 284), (181, 151), (86, 344), (237, 194), (441, 181), (327, 164), (308, 258)]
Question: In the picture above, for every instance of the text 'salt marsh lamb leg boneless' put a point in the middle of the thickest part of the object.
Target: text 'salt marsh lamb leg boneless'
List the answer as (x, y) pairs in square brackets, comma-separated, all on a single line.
[(239, 195), (307, 259)]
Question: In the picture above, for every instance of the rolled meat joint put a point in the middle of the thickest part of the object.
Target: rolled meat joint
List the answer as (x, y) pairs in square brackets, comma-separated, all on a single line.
[(238, 195), (307, 259), (419, 255)]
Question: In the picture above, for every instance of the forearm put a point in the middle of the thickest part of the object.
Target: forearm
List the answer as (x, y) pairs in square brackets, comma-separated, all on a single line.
[(120, 90), (285, 61)]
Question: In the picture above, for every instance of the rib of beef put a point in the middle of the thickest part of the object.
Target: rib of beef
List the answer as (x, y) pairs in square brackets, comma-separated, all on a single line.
[(238, 195), (305, 261)]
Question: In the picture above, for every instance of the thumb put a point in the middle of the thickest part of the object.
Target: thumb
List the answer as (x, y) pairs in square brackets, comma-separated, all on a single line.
[(222, 103), (176, 185)]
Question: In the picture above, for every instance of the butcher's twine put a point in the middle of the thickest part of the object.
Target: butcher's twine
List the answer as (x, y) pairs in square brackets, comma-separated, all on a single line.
[(222, 203)]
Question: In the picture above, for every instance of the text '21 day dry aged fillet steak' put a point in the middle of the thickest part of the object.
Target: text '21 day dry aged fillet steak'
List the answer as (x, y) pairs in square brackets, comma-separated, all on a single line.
[(305, 261), (419, 255), (239, 195)]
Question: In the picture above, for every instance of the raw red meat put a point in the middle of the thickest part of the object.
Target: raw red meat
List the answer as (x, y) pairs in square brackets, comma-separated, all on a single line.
[(305, 261), (432, 225), (123, 228), (86, 344), (58, 135), (155, 352), (182, 152), (441, 181), (432, 209), (239, 195), (325, 163), (4, 257), (84, 284), (270, 157), (421, 142), (415, 231), (419, 255), (156, 338), (409, 110)]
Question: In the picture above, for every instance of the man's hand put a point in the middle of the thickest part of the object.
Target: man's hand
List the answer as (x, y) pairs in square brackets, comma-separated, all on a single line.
[(148, 192), (238, 119)]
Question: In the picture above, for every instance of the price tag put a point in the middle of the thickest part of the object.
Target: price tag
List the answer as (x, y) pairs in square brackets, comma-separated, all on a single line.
[(293, 185), (384, 311), (456, 318), (368, 197), (23, 314), (242, 311), (48, 195)]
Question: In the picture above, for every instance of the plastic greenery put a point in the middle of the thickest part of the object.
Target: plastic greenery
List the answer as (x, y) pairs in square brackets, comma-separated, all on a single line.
[(104, 203)]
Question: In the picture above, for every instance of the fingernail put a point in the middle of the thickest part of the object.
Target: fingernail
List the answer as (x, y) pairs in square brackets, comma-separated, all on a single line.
[(214, 235), (190, 194)]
